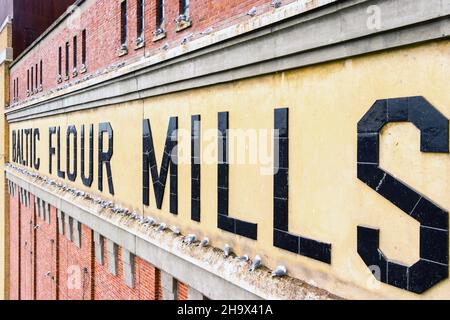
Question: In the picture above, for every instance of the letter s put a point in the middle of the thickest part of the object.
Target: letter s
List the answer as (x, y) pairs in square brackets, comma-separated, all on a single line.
[(434, 129)]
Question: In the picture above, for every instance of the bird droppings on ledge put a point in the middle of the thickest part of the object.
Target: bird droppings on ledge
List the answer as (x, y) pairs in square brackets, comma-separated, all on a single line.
[(223, 263)]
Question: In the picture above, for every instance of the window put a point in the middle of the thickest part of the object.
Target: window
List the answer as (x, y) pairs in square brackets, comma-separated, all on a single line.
[(67, 59), (28, 80), (15, 90), (60, 61), (36, 78), (40, 73), (123, 22), (140, 19), (32, 77), (160, 14), (184, 8), (75, 53), (83, 47)]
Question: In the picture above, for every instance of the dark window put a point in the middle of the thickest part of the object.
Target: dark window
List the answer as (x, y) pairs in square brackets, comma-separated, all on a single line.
[(28, 80), (75, 53), (159, 13), (40, 73), (60, 61), (36, 77), (184, 7), (67, 59), (32, 78), (83, 47), (14, 90), (123, 22), (140, 18)]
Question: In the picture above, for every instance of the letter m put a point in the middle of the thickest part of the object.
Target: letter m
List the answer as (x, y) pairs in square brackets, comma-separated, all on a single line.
[(169, 162)]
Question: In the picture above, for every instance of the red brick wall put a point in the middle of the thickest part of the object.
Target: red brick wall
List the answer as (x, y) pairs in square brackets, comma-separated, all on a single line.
[(102, 22), (46, 257), (182, 291), (47, 266), (110, 287), (148, 279), (14, 235), (75, 266), (26, 251)]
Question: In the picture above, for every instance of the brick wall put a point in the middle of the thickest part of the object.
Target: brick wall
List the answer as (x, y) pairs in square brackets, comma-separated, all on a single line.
[(26, 251), (75, 265), (46, 257), (182, 291), (47, 264), (14, 252), (112, 287), (102, 22)]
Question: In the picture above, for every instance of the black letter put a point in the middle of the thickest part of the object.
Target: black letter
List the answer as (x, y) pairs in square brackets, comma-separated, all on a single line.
[(71, 131), (61, 173), (433, 264), (195, 167), (87, 181), (169, 159), (105, 157), (14, 146), (51, 150), (37, 137), (27, 133), (224, 222), (281, 237)]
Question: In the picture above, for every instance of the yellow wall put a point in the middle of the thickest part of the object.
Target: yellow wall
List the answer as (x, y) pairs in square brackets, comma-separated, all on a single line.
[(5, 42), (327, 201)]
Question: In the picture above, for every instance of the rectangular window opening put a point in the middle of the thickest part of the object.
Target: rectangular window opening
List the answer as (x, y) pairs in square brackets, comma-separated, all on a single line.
[(123, 22), (160, 14), (140, 19), (36, 77), (40, 73), (60, 61), (67, 59), (184, 8), (75, 52), (83, 47), (32, 79)]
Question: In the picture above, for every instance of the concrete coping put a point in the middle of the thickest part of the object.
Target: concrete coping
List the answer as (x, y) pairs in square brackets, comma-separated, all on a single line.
[(204, 269)]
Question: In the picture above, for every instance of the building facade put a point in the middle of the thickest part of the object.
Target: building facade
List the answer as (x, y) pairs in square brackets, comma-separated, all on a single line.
[(21, 23), (146, 139)]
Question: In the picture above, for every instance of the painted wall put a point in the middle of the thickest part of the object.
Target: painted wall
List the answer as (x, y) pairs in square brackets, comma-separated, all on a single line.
[(327, 202)]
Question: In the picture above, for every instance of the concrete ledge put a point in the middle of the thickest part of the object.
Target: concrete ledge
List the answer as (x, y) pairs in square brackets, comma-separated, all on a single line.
[(60, 218), (6, 55), (194, 294), (99, 243), (112, 249), (169, 286), (224, 279), (128, 267), (336, 31), (77, 233), (68, 220)]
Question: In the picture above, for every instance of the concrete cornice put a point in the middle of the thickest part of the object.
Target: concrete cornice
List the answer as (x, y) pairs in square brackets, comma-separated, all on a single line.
[(8, 20), (336, 31), (6, 55), (204, 269)]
